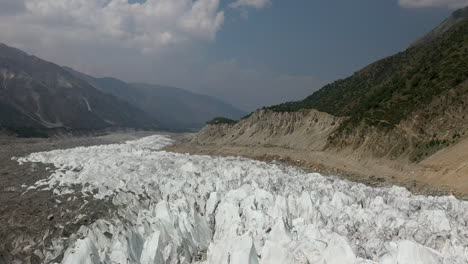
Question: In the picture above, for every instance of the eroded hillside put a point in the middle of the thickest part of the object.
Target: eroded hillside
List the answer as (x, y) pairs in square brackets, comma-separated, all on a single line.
[(306, 129)]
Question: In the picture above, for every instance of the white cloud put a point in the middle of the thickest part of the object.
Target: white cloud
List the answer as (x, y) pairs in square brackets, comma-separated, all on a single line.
[(433, 3), (148, 26), (250, 3)]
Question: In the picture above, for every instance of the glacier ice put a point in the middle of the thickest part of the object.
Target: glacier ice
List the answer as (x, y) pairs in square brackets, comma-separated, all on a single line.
[(180, 208)]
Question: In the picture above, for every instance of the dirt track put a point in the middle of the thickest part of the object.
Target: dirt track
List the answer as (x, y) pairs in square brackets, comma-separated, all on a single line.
[(29, 220)]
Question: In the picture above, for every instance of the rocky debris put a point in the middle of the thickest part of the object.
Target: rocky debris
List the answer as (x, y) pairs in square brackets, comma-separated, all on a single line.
[(31, 219)]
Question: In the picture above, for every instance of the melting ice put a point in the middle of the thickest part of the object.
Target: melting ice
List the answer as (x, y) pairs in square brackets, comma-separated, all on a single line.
[(176, 208)]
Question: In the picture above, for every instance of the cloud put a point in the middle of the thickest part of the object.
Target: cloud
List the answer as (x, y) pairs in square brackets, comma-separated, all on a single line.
[(9, 7), (250, 3), (433, 3), (157, 41), (147, 26)]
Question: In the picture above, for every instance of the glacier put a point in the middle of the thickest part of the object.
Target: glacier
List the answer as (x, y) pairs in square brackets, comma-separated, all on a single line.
[(181, 208)]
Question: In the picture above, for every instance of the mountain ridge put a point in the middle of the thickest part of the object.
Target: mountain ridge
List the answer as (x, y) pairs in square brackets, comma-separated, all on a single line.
[(41, 98), (453, 19), (175, 108), (400, 95), (41, 95)]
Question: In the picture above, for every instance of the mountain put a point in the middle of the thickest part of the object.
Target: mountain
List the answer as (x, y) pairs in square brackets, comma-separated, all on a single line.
[(183, 109), (406, 106), (39, 95), (402, 120), (416, 100), (175, 108), (456, 17)]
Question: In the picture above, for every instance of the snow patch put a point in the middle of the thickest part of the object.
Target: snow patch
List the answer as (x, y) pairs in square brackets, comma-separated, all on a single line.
[(87, 104)]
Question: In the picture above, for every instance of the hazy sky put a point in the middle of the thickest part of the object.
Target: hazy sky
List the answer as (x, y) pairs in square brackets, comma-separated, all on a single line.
[(249, 53)]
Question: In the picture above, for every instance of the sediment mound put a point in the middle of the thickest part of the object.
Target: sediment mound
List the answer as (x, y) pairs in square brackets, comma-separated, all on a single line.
[(306, 129)]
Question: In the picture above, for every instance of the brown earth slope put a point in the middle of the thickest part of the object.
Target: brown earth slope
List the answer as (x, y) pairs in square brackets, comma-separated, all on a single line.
[(306, 130), (449, 166)]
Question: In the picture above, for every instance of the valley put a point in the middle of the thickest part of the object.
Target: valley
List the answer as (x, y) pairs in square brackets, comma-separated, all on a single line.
[(164, 207), (372, 168)]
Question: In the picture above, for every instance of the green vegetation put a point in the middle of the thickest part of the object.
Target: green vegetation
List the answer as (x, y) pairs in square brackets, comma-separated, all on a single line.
[(248, 115), (427, 148), (221, 120), (388, 91)]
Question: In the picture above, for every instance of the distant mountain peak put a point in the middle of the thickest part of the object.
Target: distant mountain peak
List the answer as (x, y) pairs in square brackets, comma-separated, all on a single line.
[(176, 109), (460, 13), (456, 17)]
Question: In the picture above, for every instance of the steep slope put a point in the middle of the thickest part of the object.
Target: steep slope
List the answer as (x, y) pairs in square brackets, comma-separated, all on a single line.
[(449, 165), (38, 94), (174, 108), (456, 17), (415, 100), (304, 130)]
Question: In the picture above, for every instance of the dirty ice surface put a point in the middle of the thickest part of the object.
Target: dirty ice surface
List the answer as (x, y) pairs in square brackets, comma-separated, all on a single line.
[(176, 208)]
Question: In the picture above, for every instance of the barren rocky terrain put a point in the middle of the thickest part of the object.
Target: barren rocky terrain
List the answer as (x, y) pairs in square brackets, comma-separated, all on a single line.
[(29, 218)]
